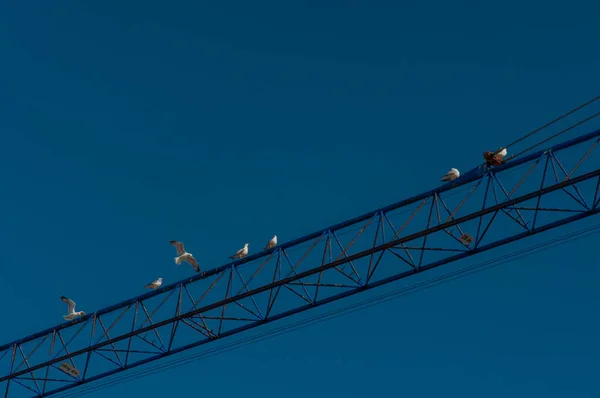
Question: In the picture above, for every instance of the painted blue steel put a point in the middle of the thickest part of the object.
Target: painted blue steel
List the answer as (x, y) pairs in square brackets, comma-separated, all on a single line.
[(471, 176), (330, 299), (338, 297)]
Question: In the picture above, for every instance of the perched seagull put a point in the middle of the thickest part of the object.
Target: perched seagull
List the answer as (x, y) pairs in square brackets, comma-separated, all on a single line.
[(452, 175), (72, 314), (272, 243), (154, 285), (183, 255), (495, 158), (241, 253)]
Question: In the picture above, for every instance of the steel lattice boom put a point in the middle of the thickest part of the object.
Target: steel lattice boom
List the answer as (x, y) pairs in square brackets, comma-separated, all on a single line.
[(483, 209)]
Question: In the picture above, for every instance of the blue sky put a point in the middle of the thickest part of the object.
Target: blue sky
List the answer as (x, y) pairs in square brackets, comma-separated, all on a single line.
[(127, 124)]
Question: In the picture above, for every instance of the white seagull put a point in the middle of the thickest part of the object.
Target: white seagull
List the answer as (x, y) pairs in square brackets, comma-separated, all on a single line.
[(72, 314), (452, 175), (241, 253), (183, 255), (272, 243), (154, 285)]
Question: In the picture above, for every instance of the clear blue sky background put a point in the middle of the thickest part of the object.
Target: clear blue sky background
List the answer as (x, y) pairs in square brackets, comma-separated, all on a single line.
[(127, 124)]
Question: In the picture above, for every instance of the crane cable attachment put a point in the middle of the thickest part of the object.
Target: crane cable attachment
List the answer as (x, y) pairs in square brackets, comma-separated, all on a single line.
[(497, 158)]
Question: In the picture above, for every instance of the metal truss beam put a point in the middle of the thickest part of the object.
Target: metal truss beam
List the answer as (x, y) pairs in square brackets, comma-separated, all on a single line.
[(484, 209)]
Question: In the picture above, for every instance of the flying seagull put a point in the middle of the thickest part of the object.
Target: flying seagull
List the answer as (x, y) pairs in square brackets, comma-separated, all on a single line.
[(72, 314), (272, 243), (183, 255), (241, 253), (452, 175), (154, 285)]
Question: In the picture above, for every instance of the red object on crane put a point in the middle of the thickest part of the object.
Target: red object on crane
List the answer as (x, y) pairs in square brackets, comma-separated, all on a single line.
[(495, 158)]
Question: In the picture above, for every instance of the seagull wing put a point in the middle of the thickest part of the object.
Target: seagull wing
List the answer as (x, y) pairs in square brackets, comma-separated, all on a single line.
[(194, 263), (178, 246), (501, 154), (70, 302), (270, 244)]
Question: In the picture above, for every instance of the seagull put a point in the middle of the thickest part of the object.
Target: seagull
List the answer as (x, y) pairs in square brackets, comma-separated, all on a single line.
[(501, 154), (72, 314), (241, 253), (154, 285), (453, 174), (272, 243), (183, 255)]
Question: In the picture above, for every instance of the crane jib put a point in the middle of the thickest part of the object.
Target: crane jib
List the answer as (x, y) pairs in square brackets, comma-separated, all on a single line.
[(396, 246)]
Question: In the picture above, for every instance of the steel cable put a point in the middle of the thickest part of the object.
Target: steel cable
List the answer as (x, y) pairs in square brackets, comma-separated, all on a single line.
[(552, 122), (555, 135)]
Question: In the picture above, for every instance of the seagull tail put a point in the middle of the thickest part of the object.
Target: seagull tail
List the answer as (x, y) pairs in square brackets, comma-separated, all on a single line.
[(445, 178), (177, 260)]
